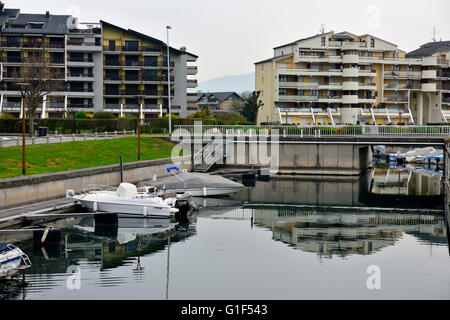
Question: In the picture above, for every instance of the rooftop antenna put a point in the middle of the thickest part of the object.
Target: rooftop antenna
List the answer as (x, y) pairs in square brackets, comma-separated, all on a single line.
[(322, 28), (434, 33)]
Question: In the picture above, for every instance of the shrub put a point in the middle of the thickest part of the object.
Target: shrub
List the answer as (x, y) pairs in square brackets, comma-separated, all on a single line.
[(104, 115), (80, 115)]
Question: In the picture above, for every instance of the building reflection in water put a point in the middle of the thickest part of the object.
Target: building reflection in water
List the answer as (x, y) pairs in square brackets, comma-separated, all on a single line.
[(342, 233)]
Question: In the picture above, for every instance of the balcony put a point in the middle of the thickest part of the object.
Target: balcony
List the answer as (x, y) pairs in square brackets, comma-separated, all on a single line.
[(73, 45), (350, 99), (428, 74), (10, 106), (429, 87), (403, 86), (367, 86), (191, 71), (443, 62), (80, 75), (350, 86), (80, 106), (446, 99), (330, 85), (12, 44), (429, 61), (403, 74), (389, 99), (443, 74), (55, 105), (30, 45), (286, 98), (330, 99), (350, 72), (191, 83), (288, 84), (300, 111), (112, 78), (191, 97), (112, 92), (350, 59)]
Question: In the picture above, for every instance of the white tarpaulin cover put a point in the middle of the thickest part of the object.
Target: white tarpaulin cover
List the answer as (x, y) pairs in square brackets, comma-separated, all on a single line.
[(196, 180), (126, 190)]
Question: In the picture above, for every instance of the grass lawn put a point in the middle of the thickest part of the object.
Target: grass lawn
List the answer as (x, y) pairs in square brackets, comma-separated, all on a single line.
[(53, 157)]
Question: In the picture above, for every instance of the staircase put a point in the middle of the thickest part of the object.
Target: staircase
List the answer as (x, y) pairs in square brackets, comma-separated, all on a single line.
[(208, 156)]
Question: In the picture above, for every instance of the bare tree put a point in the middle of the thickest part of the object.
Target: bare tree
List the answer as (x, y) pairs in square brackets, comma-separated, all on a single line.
[(42, 79)]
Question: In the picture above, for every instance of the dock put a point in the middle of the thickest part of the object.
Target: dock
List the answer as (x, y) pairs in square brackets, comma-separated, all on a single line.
[(13, 216)]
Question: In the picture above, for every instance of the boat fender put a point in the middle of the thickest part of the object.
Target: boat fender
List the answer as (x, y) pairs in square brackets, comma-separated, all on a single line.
[(95, 206), (145, 212), (70, 193), (45, 234), (204, 191)]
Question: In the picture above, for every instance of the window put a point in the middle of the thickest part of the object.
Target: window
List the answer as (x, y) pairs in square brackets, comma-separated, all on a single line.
[(372, 43), (302, 53), (131, 45), (323, 41), (262, 79)]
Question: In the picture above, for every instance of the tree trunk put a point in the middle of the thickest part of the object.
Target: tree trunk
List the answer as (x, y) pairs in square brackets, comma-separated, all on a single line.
[(31, 123)]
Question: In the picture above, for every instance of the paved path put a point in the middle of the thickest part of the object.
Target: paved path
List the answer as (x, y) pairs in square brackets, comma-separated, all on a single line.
[(9, 141)]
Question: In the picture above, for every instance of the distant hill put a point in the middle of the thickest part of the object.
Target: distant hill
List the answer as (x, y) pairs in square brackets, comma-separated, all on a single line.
[(238, 83)]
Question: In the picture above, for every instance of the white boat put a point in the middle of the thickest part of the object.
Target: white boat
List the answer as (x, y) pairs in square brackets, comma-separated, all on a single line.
[(12, 259), (126, 200), (197, 184)]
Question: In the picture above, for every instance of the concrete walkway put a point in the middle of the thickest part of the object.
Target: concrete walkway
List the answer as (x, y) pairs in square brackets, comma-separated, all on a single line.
[(41, 207)]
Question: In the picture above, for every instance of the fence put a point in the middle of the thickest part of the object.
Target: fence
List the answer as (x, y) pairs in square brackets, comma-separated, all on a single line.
[(17, 141), (319, 131)]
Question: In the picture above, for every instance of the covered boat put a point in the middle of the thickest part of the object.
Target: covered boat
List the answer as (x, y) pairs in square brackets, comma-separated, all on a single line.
[(197, 184), (12, 259)]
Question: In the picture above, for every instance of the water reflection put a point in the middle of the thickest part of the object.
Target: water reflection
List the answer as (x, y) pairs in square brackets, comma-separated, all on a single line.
[(329, 233)]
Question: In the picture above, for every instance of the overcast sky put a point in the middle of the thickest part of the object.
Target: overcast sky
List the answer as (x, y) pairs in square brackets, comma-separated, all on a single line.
[(230, 35)]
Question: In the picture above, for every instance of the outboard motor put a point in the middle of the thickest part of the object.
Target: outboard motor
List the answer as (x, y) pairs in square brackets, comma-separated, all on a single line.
[(183, 207)]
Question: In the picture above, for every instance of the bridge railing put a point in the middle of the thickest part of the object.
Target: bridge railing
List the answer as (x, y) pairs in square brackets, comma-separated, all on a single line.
[(319, 131)]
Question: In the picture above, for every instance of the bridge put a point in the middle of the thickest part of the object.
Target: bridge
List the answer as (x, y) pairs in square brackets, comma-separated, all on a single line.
[(324, 150)]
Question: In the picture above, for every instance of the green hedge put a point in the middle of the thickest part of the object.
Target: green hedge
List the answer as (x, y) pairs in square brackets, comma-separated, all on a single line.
[(68, 126)]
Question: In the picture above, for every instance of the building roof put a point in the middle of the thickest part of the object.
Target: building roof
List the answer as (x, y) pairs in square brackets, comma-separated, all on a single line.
[(430, 48), (291, 43), (275, 58), (144, 36), (221, 96)]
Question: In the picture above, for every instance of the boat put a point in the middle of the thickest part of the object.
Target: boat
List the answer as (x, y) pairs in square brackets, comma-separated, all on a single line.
[(197, 184), (127, 200), (12, 259)]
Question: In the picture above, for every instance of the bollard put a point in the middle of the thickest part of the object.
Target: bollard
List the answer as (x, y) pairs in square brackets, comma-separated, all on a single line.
[(124, 133), (56, 132), (60, 138), (115, 133), (73, 136), (32, 140), (84, 135), (106, 134), (96, 134)]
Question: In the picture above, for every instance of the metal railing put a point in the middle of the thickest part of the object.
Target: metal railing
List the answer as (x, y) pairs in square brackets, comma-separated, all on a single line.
[(320, 131)]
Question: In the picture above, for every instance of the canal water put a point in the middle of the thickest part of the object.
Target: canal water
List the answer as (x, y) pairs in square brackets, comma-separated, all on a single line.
[(379, 236)]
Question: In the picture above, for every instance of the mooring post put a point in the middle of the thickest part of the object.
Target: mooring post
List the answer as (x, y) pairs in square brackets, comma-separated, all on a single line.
[(121, 169)]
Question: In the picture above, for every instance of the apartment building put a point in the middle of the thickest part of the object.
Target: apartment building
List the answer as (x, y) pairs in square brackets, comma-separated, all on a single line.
[(104, 67), (342, 78), (215, 102)]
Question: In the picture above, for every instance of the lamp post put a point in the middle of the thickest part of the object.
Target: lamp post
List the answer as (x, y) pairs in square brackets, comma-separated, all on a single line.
[(139, 127), (23, 87), (168, 79)]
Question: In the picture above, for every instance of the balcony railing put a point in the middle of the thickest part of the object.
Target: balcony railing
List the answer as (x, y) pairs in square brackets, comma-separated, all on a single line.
[(80, 75), (77, 105), (403, 86), (72, 59), (445, 99), (112, 77), (81, 43), (80, 90), (403, 73), (395, 99)]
